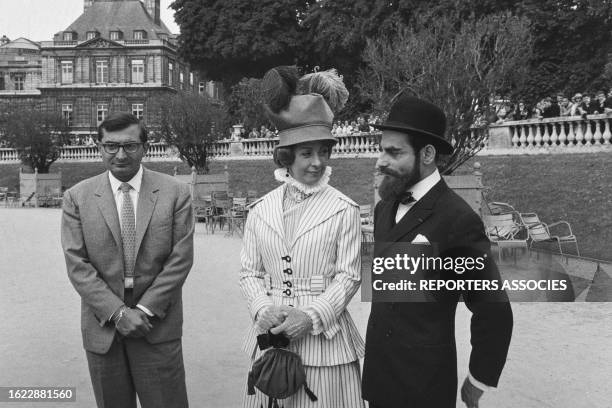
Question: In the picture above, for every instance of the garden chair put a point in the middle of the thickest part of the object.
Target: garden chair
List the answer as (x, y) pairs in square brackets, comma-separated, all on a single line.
[(367, 225), (237, 215), (365, 212), (203, 210), (540, 232), (251, 196), (3, 194), (222, 204), (506, 231)]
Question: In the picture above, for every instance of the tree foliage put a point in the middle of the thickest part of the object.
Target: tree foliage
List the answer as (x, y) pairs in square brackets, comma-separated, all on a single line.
[(191, 123), (244, 103), (232, 39), (456, 67), (37, 135)]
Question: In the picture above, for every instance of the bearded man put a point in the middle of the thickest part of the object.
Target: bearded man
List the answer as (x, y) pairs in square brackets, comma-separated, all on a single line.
[(411, 357)]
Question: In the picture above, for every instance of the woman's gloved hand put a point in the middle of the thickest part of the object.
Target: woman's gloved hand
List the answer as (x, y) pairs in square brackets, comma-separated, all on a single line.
[(296, 324), (270, 317)]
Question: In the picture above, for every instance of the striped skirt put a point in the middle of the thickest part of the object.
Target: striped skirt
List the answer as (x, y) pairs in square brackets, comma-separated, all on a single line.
[(335, 387)]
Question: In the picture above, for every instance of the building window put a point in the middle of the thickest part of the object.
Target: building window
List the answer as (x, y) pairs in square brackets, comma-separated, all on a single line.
[(68, 36), (2, 82), (18, 81), (140, 35), (102, 112), (138, 110), (67, 72), (170, 73), (202, 88), (181, 79), (115, 35), (101, 71), (191, 78), (137, 71), (91, 35), (67, 113)]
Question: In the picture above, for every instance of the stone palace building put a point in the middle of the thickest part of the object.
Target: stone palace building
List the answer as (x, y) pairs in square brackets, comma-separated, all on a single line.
[(117, 56)]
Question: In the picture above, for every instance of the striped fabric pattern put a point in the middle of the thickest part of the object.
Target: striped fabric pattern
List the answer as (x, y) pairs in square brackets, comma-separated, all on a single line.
[(324, 247), (335, 387)]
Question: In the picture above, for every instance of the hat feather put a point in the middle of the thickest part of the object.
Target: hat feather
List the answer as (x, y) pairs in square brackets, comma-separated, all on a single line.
[(328, 84), (278, 86)]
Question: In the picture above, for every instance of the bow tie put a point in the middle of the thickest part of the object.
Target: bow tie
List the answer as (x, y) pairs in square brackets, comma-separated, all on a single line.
[(406, 198)]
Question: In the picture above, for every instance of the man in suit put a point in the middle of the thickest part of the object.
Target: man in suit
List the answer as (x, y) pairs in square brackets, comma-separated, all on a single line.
[(411, 358), (127, 236)]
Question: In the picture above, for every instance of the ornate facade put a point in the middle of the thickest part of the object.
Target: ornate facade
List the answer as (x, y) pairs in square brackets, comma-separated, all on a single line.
[(20, 72), (117, 56)]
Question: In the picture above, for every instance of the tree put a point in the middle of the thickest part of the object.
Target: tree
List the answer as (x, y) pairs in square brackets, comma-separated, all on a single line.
[(232, 39), (455, 66), (38, 136), (244, 103), (192, 124)]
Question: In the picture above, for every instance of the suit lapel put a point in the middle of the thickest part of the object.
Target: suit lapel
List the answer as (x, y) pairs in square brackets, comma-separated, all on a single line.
[(108, 207), (146, 203), (322, 207), (421, 210)]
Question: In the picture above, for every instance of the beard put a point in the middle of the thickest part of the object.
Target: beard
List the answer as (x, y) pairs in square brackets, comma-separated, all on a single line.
[(394, 185)]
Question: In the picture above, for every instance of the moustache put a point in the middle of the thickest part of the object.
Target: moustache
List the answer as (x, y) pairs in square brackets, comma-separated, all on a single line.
[(387, 172)]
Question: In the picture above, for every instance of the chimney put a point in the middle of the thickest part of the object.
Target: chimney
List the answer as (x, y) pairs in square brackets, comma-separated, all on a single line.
[(87, 4), (152, 7)]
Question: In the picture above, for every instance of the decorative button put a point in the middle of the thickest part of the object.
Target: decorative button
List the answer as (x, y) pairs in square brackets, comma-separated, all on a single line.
[(288, 283), (288, 271), (286, 258), (287, 292)]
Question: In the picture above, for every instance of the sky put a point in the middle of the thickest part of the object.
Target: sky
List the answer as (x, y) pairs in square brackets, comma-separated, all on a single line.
[(38, 20)]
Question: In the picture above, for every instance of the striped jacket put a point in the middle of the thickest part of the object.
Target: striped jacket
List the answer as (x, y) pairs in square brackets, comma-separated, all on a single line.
[(319, 272)]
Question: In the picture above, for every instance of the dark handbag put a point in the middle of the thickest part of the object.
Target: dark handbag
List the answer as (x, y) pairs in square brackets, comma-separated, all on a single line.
[(278, 373)]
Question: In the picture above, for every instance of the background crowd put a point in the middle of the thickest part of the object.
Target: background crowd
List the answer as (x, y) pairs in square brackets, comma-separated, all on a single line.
[(581, 104)]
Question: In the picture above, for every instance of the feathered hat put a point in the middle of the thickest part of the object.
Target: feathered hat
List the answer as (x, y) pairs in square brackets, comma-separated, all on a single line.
[(302, 109)]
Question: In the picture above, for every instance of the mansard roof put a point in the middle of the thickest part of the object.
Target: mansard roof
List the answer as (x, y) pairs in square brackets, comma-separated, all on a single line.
[(126, 16), (22, 43)]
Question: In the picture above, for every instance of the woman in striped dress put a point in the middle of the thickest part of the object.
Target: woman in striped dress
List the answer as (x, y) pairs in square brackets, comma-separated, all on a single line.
[(301, 261)]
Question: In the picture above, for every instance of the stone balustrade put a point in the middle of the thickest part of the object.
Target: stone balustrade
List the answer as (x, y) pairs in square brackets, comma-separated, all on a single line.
[(534, 136), (573, 134)]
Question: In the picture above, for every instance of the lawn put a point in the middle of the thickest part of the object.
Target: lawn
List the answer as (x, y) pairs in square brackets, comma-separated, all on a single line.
[(573, 187)]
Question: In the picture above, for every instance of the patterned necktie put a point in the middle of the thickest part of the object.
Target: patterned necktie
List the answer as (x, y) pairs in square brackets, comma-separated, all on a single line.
[(128, 235)]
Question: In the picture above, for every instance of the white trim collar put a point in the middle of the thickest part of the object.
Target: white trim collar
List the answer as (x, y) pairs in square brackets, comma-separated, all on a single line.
[(283, 176)]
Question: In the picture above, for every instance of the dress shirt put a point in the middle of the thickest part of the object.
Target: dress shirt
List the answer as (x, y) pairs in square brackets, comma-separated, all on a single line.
[(135, 183), (418, 191)]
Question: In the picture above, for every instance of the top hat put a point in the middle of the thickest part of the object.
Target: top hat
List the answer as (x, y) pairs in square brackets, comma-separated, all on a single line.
[(420, 118), (307, 118)]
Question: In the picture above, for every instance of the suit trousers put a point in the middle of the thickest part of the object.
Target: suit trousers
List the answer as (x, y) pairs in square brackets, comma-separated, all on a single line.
[(133, 366)]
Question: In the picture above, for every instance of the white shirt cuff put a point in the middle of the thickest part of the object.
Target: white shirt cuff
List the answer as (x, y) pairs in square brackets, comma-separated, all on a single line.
[(144, 309), (482, 387)]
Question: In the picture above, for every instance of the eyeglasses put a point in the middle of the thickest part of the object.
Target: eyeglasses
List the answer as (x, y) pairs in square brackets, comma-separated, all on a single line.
[(113, 148)]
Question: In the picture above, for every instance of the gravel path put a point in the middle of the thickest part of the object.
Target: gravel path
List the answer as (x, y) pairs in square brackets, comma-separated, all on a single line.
[(561, 353)]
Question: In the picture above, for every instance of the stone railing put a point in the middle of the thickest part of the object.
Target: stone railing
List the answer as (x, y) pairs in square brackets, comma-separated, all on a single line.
[(534, 136), (573, 134)]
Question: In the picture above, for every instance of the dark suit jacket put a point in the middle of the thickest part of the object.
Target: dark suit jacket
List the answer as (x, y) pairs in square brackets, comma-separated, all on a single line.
[(411, 358), (91, 238)]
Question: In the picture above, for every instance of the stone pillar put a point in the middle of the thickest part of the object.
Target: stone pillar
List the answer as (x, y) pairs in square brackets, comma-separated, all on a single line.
[(499, 137)]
